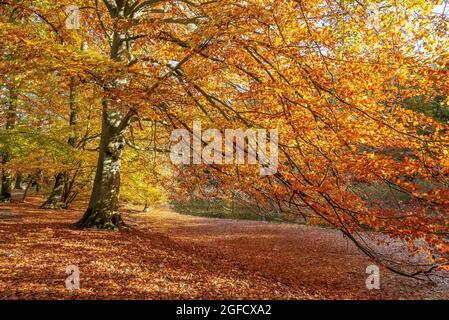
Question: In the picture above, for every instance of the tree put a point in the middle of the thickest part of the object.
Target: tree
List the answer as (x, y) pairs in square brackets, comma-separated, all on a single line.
[(10, 83), (330, 76), (125, 16)]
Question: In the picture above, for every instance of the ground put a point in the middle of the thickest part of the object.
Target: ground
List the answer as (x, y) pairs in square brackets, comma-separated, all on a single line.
[(166, 255)]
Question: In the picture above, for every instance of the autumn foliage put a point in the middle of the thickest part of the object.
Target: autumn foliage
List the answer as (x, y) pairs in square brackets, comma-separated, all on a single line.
[(334, 77)]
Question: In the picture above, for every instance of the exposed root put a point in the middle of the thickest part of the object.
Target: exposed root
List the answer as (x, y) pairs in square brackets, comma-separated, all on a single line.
[(102, 220)]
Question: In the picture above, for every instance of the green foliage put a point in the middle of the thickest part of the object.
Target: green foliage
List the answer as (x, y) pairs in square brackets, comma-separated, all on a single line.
[(435, 108), (29, 144), (218, 208)]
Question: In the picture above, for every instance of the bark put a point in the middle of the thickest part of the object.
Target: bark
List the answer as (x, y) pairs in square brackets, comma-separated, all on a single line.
[(103, 210), (70, 191), (69, 199), (25, 193), (54, 200), (6, 187), (5, 195), (73, 113), (18, 185), (32, 181)]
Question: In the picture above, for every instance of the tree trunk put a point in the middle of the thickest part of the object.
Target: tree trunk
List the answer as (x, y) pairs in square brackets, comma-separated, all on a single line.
[(70, 191), (18, 185), (5, 195), (54, 200), (32, 180), (103, 210), (73, 120), (25, 193)]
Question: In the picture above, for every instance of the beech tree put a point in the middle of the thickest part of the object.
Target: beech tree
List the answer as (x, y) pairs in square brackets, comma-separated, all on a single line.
[(331, 76)]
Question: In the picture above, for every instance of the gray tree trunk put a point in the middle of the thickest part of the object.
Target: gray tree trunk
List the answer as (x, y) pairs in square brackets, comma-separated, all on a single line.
[(18, 185), (5, 195), (54, 200), (6, 187), (103, 210)]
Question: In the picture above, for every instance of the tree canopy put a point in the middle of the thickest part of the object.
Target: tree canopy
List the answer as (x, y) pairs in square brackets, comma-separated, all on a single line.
[(344, 83)]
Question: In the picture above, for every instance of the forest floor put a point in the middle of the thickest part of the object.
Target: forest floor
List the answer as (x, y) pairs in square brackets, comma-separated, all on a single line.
[(166, 255)]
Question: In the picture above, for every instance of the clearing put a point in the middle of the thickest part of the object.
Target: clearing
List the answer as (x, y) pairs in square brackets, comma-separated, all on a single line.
[(171, 256)]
